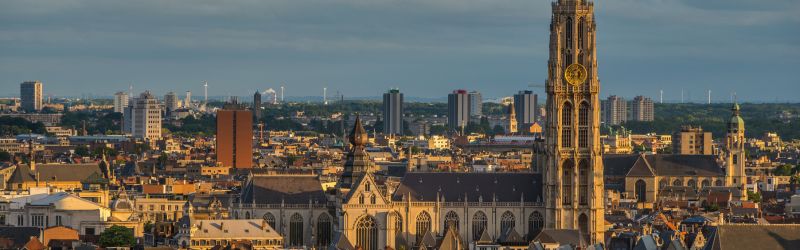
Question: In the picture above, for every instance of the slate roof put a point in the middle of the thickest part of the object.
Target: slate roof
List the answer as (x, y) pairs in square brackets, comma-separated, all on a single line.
[(661, 165), (506, 187), (55, 172), (19, 235), (757, 236), (561, 236), (291, 189)]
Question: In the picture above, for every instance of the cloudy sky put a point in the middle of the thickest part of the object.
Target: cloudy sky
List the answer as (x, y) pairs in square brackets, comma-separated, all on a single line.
[(427, 48)]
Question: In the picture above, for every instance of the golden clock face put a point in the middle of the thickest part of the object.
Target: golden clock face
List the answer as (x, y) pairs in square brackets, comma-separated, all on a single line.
[(575, 74)]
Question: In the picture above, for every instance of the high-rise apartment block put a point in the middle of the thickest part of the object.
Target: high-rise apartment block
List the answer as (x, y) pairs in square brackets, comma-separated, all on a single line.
[(120, 101), (692, 141), (457, 109), (475, 104), (257, 104), (614, 110), (142, 117), (31, 95), (171, 102), (642, 109), (393, 112), (235, 137), (526, 107)]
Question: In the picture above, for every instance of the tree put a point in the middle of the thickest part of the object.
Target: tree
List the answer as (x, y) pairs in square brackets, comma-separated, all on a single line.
[(5, 156), (82, 151), (754, 196), (117, 236)]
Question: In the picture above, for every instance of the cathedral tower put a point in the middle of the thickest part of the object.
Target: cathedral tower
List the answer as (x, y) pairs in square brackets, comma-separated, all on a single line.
[(573, 176), (734, 148)]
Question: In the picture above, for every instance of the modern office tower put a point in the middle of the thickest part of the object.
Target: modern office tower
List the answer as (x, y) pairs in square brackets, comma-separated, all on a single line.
[(526, 106), (475, 104), (120, 101), (642, 109), (692, 141), (393, 112), (170, 102), (257, 105), (573, 176), (143, 117), (235, 137), (187, 103), (615, 110), (457, 110), (30, 93)]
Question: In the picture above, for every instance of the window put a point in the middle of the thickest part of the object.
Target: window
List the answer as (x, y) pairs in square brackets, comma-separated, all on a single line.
[(718, 183), (423, 225), (296, 230), (367, 233), (323, 230), (677, 183), (583, 194), (451, 219), (568, 33), (581, 28), (566, 183), (478, 225), (20, 220), (58, 220), (583, 224), (583, 125), (506, 222), (37, 220), (566, 125), (641, 191), (691, 184), (372, 199), (367, 187), (707, 183), (535, 224), (361, 199), (89, 231), (662, 183)]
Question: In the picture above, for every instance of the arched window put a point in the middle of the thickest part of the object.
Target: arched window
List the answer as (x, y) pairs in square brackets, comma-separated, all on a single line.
[(583, 125), (583, 194), (270, 219), (641, 191), (398, 223), (581, 30), (583, 224), (718, 183), (691, 184), (324, 229), (566, 125), (705, 183), (450, 219), (372, 199), (535, 224), (662, 184), (423, 225), (568, 32), (360, 199), (247, 215), (677, 183), (367, 187), (296, 230), (478, 225), (566, 182), (506, 222), (367, 233)]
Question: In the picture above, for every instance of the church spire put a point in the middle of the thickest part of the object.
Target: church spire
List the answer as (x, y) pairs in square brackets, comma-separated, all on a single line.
[(356, 162)]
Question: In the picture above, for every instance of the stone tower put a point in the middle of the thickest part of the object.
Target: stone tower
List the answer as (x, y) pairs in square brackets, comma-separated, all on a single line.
[(734, 148), (357, 162), (512, 120), (573, 176)]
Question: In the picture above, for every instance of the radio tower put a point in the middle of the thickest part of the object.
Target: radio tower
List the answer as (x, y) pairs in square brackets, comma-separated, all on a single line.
[(661, 96), (205, 92), (282, 88), (709, 96), (324, 95)]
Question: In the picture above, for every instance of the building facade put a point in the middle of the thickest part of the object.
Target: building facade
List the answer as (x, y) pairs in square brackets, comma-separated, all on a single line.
[(615, 110), (642, 109), (120, 101), (457, 110), (235, 138), (30, 93), (573, 170), (257, 104), (692, 141), (143, 117), (171, 103), (393, 112), (526, 105), (475, 104)]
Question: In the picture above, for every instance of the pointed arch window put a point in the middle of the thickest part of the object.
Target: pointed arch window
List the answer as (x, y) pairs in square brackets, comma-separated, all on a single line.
[(677, 183), (423, 225), (581, 31), (324, 230), (583, 125), (507, 222), (398, 223), (372, 199), (566, 182), (568, 32), (583, 224), (296, 230), (270, 219), (535, 224), (367, 233), (566, 125), (583, 192), (641, 191), (478, 225), (451, 219), (360, 199)]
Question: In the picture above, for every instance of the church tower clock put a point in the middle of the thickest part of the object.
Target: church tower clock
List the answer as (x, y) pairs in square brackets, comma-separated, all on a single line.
[(573, 176)]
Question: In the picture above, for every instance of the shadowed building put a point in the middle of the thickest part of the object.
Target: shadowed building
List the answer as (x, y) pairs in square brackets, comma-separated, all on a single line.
[(393, 112), (235, 137), (31, 95)]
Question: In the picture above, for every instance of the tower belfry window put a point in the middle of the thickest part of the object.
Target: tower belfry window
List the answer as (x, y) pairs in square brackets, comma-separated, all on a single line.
[(568, 32), (566, 126)]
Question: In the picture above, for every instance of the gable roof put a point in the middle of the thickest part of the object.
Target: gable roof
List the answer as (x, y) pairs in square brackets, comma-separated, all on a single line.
[(19, 235), (561, 237), (641, 168), (452, 186), (55, 172), (757, 236), (290, 189), (661, 165)]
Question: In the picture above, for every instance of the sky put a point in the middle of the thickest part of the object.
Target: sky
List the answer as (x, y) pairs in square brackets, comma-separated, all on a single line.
[(426, 48)]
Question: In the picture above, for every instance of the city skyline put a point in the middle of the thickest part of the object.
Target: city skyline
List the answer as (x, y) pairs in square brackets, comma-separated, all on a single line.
[(735, 47)]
